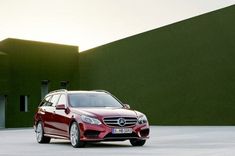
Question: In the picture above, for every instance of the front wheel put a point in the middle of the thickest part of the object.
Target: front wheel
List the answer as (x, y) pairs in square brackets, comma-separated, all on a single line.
[(40, 134), (75, 136), (137, 142)]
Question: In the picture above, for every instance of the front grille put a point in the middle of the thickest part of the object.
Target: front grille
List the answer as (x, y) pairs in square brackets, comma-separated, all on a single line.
[(115, 121)]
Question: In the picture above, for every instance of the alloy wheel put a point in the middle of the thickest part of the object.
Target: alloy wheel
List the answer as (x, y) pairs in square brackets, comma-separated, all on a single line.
[(74, 134), (39, 132)]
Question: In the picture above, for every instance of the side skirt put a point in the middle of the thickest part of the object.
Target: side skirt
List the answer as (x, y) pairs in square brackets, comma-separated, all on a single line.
[(56, 136)]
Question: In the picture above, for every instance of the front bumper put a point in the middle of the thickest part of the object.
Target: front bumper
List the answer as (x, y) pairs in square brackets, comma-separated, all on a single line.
[(89, 132)]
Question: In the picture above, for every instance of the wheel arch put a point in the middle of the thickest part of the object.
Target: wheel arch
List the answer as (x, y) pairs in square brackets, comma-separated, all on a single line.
[(70, 124), (39, 120), (79, 124)]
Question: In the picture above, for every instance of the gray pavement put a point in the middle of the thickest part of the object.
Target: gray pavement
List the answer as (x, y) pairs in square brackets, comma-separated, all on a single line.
[(164, 141)]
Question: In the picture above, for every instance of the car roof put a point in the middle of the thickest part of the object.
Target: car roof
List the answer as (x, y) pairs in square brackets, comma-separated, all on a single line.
[(77, 91), (84, 92)]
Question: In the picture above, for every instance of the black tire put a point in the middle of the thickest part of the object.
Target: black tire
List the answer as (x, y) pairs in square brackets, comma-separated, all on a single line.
[(40, 134), (74, 135), (137, 142)]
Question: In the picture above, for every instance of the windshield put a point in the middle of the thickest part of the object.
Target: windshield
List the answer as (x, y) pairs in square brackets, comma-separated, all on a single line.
[(93, 100)]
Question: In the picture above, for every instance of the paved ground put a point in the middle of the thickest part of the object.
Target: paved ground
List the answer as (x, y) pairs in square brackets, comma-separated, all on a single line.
[(164, 141)]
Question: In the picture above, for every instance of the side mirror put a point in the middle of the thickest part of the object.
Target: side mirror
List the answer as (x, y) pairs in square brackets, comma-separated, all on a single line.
[(60, 106), (126, 106)]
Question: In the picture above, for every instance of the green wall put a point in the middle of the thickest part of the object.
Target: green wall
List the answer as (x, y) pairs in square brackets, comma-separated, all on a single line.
[(181, 74), (4, 73), (30, 63)]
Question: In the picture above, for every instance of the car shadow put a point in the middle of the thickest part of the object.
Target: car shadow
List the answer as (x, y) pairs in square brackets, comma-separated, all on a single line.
[(105, 144), (93, 144)]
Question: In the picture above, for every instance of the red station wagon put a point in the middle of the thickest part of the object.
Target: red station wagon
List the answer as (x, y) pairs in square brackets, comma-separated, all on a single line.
[(88, 116)]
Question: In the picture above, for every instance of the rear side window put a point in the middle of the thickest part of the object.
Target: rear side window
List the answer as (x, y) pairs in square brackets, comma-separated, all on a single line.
[(46, 101)]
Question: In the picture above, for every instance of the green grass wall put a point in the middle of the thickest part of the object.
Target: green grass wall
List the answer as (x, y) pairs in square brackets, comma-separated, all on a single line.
[(180, 74), (29, 63), (4, 73)]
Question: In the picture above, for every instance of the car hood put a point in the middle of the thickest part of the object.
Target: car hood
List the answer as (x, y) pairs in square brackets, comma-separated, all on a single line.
[(104, 112)]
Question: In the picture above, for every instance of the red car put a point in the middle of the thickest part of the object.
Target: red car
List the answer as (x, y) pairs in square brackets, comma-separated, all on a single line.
[(86, 116)]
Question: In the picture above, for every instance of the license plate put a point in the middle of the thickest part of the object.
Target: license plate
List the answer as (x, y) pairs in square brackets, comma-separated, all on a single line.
[(121, 130)]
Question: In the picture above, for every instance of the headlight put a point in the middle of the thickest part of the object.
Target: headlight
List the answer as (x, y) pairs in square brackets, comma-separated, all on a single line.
[(142, 119), (90, 120)]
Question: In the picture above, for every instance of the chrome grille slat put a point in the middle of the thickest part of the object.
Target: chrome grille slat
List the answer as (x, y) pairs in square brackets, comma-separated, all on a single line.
[(131, 123), (113, 121)]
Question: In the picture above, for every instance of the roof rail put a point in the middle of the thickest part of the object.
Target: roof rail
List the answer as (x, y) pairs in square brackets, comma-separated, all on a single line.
[(100, 90), (59, 90)]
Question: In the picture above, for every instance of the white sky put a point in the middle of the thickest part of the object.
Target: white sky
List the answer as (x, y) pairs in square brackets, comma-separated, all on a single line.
[(90, 23)]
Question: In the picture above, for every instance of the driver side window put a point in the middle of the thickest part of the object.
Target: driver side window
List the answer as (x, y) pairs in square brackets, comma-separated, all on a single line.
[(62, 100), (54, 99)]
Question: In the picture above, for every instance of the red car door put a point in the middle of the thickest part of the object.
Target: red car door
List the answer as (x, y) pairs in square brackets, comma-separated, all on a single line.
[(49, 121), (43, 112), (61, 117)]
